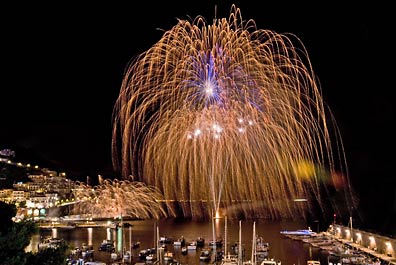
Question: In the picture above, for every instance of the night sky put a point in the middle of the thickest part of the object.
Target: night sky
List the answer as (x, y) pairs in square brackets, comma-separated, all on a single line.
[(62, 68)]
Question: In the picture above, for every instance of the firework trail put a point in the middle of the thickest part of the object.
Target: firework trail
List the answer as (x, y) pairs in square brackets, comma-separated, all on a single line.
[(114, 198), (224, 116)]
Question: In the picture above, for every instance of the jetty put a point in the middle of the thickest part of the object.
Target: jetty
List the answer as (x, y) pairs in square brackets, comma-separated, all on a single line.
[(372, 244), (339, 238)]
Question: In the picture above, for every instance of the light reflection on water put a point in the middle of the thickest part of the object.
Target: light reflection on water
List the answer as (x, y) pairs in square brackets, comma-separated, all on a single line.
[(287, 250)]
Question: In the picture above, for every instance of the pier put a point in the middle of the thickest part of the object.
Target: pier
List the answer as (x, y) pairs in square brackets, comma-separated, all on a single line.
[(372, 244)]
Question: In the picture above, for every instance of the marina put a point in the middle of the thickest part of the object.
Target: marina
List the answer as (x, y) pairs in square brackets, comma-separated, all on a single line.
[(145, 233), (176, 235)]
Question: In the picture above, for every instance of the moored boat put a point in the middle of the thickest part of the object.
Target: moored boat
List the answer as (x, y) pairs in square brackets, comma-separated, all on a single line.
[(229, 260), (270, 262), (107, 245), (50, 242), (262, 249), (200, 242), (115, 256), (127, 257), (180, 242), (168, 256), (301, 232), (151, 257), (217, 243), (165, 240), (205, 255), (192, 245), (184, 250), (136, 245)]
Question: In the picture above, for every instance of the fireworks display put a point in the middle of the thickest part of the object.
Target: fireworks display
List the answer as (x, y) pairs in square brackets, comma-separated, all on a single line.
[(225, 116), (115, 198)]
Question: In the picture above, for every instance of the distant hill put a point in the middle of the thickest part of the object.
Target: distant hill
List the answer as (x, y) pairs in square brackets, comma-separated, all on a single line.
[(11, 173), (33, 157)]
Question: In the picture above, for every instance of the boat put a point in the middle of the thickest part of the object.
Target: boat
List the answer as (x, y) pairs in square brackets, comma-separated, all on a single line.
[(87, 254), (301, 232), (145, 252), (180, 242), (127, 257), (162, 247), (200, 242), (51, 242), (313, 262), (261, 245), (270, 262), (262, 249), (115, 256), (151, 257), (165, 240), (351, 256), (107, 245), (192, 246), (136, 245), (84, 246), (205, 255), (76, 251), (184, 250), (168, 256), (216, 244), (229, 260), (236, 247)]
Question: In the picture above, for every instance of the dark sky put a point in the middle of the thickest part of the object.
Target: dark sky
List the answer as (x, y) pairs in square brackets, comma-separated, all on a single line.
[(62, 67)]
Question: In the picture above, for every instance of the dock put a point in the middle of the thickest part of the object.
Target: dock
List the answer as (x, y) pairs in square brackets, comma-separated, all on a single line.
[(371, 252), (371, 245)]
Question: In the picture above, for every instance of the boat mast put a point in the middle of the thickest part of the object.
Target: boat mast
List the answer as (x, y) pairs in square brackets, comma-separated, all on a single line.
[(253, 259), (213, 232), (130, 239), (225, 236), (350, 220), (123, 244), (155, 235), (240, 243), (158, 245)]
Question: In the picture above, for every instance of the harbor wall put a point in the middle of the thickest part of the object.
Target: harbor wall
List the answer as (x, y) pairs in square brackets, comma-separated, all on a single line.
[(380, 244)]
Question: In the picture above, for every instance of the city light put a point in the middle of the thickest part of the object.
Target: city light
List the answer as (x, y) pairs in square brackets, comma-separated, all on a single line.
[(358, 238)]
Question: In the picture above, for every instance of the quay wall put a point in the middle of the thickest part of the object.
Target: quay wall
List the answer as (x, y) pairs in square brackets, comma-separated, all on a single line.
[(378, 243)]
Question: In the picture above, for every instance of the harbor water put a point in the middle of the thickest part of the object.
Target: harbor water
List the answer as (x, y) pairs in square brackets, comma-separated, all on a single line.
[(146, 232)]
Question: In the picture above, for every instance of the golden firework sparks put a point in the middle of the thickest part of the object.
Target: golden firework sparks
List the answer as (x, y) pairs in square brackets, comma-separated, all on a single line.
[(221, 114), (114, 198)]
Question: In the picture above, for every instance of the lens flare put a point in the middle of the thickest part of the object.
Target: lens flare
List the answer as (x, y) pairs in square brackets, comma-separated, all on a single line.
[(218, 115), (304, 169)]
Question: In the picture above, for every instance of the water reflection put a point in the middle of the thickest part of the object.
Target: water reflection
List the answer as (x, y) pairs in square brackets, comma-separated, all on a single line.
[(55, 232), (90, 231)]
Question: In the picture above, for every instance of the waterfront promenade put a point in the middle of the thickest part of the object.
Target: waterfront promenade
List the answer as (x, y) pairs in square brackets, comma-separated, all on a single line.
[(370, 252), (83, 224), (374, 245)]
